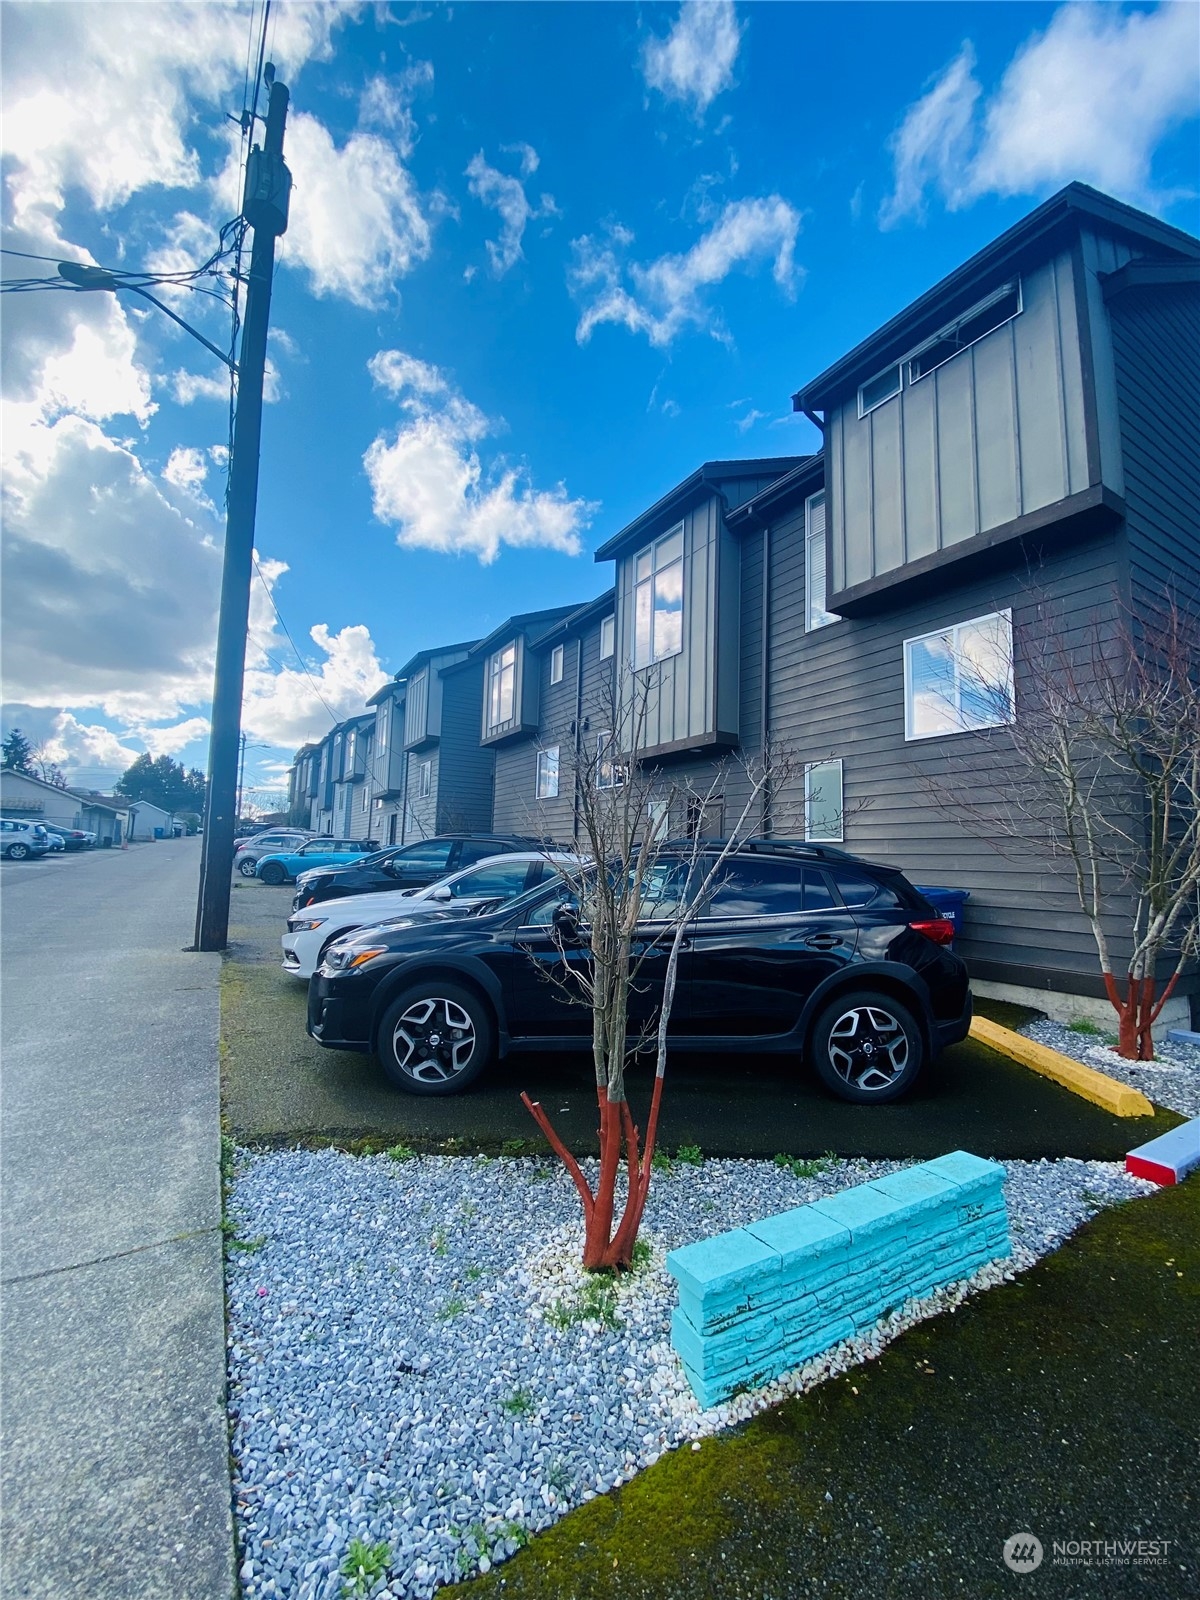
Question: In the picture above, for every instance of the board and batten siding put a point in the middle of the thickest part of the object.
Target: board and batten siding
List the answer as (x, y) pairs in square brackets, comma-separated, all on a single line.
[(838, 693), (1156, 352), (996, 432), (693, 694)]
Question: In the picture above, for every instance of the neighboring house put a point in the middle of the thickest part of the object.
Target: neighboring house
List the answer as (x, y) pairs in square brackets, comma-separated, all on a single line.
[(102, 814), (389, 761), (352, 770), (568, 664), (447, 779), (22, 795), (144, 818)]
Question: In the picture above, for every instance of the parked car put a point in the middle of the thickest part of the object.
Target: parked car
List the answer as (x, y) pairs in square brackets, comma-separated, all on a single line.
[(797, 949), (55, 840), (407, 866), (491, 883), (251, 851), (283, 865), (75, 838), (20, 839)]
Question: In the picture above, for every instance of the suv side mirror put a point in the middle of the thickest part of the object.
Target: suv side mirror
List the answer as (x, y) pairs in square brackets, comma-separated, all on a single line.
[(566, 922), (442, 892)]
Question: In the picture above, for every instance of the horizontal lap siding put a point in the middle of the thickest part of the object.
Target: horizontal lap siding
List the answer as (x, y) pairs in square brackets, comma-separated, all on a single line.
[(839, 692), (463, 772)]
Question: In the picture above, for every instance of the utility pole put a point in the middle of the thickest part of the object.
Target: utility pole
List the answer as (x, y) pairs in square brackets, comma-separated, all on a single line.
[(265, 208)]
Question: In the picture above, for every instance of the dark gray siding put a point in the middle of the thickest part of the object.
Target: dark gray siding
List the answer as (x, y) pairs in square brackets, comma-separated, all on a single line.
[(463, 770), (1156, 351), (838, 692)]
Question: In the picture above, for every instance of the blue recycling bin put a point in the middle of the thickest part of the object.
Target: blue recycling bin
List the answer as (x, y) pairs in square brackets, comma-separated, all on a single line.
[(948, 903), (160, 833)]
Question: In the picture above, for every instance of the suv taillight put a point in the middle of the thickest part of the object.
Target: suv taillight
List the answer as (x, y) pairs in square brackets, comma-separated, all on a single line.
[(939, 929)]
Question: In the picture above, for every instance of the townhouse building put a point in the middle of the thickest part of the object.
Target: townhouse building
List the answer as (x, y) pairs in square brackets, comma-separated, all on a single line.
[(1011, 458)]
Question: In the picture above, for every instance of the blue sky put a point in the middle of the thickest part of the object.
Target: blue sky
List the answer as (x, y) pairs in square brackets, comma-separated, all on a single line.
[(543, 261)]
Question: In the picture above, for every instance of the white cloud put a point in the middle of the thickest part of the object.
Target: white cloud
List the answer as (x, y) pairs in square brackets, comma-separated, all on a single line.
[(427, 478), (186, 468), (695, 62), (387, 103), (744, 424), (171, 740), (506, 195), (289, 707), (1091, 97), (189, 386), (357, 220), (667, 295), (105, 102)]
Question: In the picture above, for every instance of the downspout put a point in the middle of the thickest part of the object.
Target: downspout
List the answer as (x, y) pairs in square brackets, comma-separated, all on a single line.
[(578, 737), (404, 805), (764, 660)]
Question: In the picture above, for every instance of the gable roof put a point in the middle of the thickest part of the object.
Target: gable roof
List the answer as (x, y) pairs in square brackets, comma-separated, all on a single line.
[(1033, 238), (797, 484), (603, 605), (706, 480), (533, 624), (424, 657)]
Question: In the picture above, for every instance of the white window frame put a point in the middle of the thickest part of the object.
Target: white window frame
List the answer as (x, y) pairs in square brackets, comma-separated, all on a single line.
[(894, 366), (425, 780), (810, 768), (502, 675), (815, 615), (608, 638), (616, 773), (546, 777), (1001, 293), (558, 662), (649, 584), (953, 632)]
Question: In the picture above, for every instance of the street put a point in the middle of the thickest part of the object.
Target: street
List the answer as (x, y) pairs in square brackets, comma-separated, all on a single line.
[(115, 1480)]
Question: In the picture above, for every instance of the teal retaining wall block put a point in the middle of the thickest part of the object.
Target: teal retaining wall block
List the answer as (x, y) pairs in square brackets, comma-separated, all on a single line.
[(760, 1300)]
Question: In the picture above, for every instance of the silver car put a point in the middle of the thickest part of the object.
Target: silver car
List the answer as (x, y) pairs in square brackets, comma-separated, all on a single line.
[(251, 851), (20, 839)]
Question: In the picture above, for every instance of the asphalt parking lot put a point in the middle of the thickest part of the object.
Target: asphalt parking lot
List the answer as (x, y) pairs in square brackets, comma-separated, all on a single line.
[(281, 1088)]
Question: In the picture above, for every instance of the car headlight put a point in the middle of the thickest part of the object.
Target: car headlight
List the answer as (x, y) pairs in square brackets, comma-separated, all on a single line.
[(305, 924), (341, 958)]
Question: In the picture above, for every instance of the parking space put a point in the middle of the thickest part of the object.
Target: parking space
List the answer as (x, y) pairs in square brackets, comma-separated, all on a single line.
[(280, 1088)]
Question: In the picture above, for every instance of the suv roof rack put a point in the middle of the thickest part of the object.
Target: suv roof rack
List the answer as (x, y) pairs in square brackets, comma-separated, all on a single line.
[(804, 849)]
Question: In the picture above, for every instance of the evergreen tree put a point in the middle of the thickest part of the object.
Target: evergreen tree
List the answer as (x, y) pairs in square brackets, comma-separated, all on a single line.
[(164, 783), (16, 754)]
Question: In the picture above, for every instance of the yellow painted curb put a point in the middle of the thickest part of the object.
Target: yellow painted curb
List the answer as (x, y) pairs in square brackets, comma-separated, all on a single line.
[(1115, 1097)]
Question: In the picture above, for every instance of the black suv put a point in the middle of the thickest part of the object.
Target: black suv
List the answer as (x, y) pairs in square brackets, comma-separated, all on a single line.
[(796, 948), (405, 866)]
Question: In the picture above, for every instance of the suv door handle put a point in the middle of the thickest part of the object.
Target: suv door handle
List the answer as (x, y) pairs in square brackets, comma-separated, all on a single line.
[(823, 941)]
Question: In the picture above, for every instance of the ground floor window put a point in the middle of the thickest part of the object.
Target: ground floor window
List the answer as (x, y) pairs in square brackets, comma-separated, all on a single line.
[(546, 786), (823, 809)]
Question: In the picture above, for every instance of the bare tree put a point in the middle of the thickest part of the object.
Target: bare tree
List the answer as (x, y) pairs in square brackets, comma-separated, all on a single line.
[(1102, 776), (625, 806)]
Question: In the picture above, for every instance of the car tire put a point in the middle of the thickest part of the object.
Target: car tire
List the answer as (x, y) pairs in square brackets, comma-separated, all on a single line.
[(867, 1047), (248, 867), (430, 1012), (17, 852), (271, 872)]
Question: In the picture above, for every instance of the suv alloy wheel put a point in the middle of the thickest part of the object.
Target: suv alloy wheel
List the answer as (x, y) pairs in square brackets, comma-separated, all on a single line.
[(435, 1039), (867, 1047)]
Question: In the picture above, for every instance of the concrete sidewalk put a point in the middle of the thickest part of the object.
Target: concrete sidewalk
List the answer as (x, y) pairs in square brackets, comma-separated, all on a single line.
[(115, 1473)]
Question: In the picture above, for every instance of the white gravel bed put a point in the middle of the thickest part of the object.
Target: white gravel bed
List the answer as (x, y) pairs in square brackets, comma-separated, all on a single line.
[(1172, 1079), (416, 1358)]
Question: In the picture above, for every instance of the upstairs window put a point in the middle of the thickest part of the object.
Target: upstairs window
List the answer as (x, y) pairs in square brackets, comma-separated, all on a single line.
[(878, 389), (982, 319), (546, 785), (558, 658), (815, 582), (658, 600), (381, 735), (959, 679), (502, 683), (426, 785), (610, 774), (608, 637)]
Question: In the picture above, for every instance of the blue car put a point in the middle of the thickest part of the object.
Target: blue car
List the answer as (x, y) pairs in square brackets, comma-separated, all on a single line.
[(283, 866)]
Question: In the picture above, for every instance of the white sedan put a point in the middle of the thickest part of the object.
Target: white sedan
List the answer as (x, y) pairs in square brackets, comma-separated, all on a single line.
[(491, 882)]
